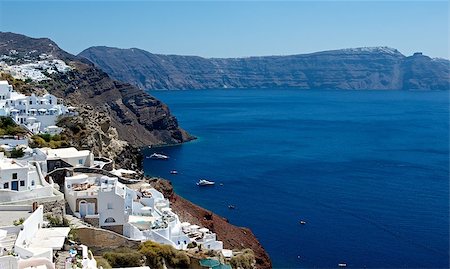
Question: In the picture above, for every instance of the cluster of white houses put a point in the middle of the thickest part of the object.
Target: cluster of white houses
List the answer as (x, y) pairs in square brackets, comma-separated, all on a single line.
[(142, 214), (37, 114), (94, 193)]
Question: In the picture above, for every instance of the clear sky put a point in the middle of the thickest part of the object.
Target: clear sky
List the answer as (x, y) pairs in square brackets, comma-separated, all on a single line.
[(234, 29)]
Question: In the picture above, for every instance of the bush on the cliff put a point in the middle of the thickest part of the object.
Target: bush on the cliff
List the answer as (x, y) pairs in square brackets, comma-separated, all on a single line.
[(50, 141), (9, 127), (158, 254), (244, 260), (123, 257)]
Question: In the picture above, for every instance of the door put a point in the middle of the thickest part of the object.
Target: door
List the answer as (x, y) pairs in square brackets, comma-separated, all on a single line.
[(83, 207), (15, 185)]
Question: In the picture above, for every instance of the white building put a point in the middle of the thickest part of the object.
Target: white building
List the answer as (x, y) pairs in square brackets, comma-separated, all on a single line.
[(140, 215), (34, 244), (64, 157), (21, 180), (17, 176), (37, 114), (98, 199)]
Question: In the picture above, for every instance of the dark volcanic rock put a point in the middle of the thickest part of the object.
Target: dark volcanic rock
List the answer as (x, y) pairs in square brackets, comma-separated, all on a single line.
[(139, 118), (361, 68)]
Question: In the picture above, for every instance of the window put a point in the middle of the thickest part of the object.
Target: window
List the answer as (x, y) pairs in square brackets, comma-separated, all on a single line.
[(110, 220), (110, 206), (14, 176), (80, 161), (22, 183), (31, 102), (32, 183), (6, 185)]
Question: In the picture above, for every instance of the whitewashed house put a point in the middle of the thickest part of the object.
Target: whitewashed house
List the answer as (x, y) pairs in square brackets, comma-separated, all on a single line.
[(98, 199), (21, 180), (37, 114), (64, 157), (138, 214)]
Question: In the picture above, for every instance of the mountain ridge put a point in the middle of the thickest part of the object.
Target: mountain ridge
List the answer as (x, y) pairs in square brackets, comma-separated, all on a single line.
[(362, 68)]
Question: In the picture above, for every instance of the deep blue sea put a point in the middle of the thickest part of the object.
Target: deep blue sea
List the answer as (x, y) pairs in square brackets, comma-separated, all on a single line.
[(367, 170)]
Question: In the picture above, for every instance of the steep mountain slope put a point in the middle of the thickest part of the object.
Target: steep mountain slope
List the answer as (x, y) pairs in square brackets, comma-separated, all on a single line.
[(137, 117), (361, 68), (114, 117)]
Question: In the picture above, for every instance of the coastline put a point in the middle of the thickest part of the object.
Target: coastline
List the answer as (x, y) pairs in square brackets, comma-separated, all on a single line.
[(233, 237)]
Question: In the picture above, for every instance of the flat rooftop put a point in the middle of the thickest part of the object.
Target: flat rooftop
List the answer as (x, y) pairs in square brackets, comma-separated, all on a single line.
[(50, 238), (7, 217)]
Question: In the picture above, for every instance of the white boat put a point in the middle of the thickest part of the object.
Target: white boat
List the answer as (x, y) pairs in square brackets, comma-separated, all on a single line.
[(204, 182), (174, 172), (342, 264), (157, 156)]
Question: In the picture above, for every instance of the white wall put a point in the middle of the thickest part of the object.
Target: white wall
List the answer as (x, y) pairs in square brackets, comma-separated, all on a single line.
[(117, 211), (13, 142), (30, 227), (11, 196)]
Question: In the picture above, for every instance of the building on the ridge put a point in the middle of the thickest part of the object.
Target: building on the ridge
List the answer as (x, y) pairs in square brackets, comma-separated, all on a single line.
[(22, 181), (98, 199), (142, 214), (37, 114), (64, 157), (32, 244)]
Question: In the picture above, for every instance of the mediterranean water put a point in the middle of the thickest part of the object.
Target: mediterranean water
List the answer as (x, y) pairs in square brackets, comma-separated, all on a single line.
[(367, 170)]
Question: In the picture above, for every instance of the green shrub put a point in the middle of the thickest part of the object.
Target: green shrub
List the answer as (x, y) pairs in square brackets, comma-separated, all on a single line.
[(17, 153), (123, 257), (245, 260), (18, 222), (158, 254)]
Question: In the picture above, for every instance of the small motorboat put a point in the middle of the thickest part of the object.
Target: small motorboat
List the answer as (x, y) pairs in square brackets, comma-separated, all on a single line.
[(342, 264), (302, 222), (231, 207), (174, 172), (221, 184), (204, 182), (157, 156)]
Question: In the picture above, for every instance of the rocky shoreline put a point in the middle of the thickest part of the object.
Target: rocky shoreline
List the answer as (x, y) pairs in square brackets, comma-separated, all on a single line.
[(233, 237)]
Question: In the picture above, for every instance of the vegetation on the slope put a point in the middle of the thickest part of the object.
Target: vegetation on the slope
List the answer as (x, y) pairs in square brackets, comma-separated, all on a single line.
[(57, 221), (124, 257), (17, 153), (157, 255), (49, 141), (102, 262), (244, 260), (9, 127)]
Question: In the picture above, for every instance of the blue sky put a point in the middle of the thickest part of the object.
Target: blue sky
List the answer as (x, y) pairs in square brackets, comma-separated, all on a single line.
[(234, 29)]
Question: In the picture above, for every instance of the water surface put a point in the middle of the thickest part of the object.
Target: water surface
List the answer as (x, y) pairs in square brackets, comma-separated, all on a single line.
[(367, 170)]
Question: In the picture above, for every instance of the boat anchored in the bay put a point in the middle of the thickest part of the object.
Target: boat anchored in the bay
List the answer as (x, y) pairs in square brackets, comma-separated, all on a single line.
[(204, 182), (157, 156)]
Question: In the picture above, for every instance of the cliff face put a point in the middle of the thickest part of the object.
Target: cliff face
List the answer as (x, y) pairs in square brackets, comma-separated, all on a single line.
[(110, 108), (362, 68)]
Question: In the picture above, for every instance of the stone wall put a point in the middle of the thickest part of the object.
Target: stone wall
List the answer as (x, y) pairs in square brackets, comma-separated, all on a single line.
[(55, 207), (92, 221), (100, 238), (115, 228)]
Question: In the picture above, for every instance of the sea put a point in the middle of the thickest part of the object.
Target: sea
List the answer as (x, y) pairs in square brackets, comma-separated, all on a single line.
[(368, 171)]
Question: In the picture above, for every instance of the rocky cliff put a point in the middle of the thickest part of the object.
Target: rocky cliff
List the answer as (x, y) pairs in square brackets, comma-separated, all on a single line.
[(114, 119), (361, 68), (109, 109)]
